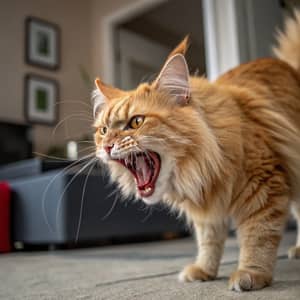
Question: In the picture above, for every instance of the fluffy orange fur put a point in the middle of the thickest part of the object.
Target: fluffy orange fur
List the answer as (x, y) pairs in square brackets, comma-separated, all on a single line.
[(228, 149)]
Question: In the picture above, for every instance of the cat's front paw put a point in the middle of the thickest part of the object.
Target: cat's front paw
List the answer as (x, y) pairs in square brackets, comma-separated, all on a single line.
[(193, 272), (294, 252), (247, 280)]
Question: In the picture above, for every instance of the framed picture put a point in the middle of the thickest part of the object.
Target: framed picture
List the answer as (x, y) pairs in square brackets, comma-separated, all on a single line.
[(41, 95), (42, 43)]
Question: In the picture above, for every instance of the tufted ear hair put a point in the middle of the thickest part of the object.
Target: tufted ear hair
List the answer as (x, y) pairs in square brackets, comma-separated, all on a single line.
[(174, 79), (102, 94), (181, 48)]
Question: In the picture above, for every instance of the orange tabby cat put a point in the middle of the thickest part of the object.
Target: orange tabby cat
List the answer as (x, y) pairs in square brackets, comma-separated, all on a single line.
[(214, 151)]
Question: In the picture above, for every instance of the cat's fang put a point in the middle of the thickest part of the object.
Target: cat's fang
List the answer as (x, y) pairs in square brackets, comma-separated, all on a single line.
[(145, 167)]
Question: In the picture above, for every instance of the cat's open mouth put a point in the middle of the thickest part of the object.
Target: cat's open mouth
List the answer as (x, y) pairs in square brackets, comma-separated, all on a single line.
[(145, 167)]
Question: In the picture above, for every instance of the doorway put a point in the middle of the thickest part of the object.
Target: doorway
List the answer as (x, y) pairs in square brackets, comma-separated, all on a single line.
[(143, 42), (223, 34)]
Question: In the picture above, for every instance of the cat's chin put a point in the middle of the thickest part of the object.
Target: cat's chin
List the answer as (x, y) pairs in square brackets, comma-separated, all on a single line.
[(152, 200), (149, 197)]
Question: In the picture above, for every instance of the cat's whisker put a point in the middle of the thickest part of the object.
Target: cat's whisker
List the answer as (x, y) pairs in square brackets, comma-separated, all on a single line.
[(148, 215), (50, 183), (82, 200), (86, 113), (67, 186), (75, 115), (51, 157), (111, 209), (86, 149), (86, 142), (74, 102), (83, 111), (112, 193)]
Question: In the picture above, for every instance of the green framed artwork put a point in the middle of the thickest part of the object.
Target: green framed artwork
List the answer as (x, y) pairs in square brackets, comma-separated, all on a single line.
[(42, 43), (41, 96)]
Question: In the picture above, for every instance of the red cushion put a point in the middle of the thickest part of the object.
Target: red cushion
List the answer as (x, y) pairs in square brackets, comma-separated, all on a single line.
[(4, 217)]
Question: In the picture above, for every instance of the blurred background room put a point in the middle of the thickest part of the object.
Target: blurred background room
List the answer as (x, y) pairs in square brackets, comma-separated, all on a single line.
[(52, 195), (50, 53), (122, 41)]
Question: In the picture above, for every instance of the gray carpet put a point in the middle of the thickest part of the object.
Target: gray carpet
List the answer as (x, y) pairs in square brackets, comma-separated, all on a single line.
[(140, 271)]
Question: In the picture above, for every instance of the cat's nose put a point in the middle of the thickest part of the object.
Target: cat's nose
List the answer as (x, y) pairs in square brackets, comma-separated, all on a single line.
[(108, 148)]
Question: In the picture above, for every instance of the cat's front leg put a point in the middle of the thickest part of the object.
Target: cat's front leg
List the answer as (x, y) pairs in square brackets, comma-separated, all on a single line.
[(210, 240), (259, 238), (294, 252)]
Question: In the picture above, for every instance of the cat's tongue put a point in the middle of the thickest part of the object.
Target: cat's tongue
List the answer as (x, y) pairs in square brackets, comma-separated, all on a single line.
[(143, 171), (145, 168)]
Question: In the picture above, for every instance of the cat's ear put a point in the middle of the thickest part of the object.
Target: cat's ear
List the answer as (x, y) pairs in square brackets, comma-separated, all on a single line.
[(174, 79), (103, 94), (181, 48)]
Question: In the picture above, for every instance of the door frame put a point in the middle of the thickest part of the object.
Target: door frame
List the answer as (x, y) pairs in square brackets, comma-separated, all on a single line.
[(109, 24), (221, 37), (220, 20)]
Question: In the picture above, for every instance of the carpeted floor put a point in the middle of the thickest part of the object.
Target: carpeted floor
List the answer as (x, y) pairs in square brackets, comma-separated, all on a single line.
[(136, 271)]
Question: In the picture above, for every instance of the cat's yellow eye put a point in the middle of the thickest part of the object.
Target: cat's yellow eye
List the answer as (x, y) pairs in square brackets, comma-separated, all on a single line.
[(136, 122), (103, 130)]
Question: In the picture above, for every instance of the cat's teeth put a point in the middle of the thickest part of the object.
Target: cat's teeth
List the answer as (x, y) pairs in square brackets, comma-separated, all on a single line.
[(148, 189)]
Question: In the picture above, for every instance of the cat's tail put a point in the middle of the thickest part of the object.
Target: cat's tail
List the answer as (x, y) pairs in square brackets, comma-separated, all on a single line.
[(288, 48)]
